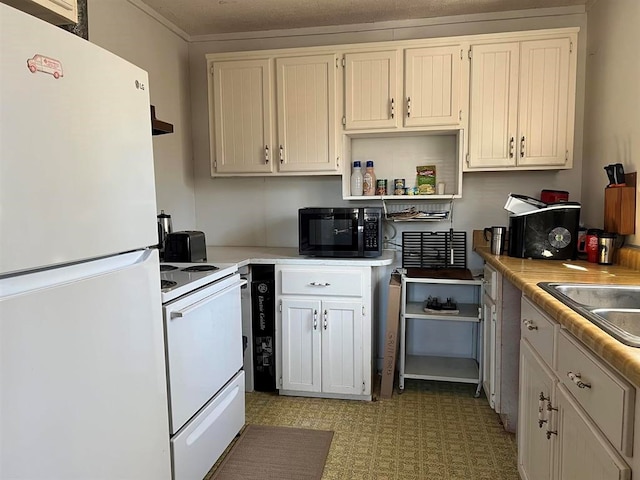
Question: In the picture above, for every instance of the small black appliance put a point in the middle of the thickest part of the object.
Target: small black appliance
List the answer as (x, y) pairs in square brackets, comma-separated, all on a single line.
[(340, 232), (548, 233)]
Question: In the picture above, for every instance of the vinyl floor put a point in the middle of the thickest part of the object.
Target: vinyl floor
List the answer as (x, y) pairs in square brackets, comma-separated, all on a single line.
[(433, 430)]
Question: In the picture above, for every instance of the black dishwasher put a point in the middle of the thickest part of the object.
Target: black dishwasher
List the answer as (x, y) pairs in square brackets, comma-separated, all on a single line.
[(263, 322)]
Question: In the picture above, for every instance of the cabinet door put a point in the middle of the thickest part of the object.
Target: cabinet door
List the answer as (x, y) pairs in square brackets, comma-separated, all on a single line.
[(493, 114), (58, 12), (536, 386), (342, 344), (583, 452), (301, 345), (306, 113), (242, 104), (489, 350), (544, 100), (432, 86), (371, 90)]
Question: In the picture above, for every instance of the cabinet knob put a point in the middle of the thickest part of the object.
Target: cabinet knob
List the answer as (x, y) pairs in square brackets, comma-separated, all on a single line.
[(529, 324)]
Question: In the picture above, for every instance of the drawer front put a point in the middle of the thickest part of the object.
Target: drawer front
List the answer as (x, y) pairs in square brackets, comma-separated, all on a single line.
[(604, 395), (490, 282), (538, 329), (205, 437), (345, 282)]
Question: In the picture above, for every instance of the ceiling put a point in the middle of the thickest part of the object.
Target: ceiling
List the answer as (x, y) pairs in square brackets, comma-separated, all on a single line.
[(207, 17)]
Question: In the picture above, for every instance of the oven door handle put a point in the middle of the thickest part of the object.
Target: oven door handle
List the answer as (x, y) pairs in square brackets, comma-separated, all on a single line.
[(185, 311)]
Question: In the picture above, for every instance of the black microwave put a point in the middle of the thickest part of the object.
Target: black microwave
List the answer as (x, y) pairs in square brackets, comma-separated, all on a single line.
[(340, 232)]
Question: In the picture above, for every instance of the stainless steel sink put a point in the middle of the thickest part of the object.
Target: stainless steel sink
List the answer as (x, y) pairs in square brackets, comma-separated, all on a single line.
[(613, 308)]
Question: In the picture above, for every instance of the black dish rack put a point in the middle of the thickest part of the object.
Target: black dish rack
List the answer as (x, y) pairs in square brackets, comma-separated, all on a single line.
[(434, 250)]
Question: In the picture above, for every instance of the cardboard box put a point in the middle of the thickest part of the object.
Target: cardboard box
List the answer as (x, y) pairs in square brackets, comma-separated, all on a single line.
[(391, 337)]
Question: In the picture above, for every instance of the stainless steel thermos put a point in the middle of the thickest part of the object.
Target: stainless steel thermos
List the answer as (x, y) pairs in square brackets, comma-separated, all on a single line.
[(606, 247), (164, 228), (498, 237)]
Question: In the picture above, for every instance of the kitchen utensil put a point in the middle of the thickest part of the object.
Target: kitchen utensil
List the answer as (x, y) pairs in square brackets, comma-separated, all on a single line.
[(606, 247), (498, 237), (165, 227), (615, 173), (619, 174)]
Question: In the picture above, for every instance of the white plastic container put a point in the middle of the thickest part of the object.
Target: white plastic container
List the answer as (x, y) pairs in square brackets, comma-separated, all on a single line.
[(357, 180)]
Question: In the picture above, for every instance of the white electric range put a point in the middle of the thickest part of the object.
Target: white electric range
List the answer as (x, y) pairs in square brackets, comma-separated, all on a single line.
[(203, 335), (181, 278)]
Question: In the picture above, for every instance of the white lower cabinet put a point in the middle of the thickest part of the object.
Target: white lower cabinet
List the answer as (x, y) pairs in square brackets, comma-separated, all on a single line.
[(501, 337), (576, 414), (535, 445), (583, 452), (324, 338)]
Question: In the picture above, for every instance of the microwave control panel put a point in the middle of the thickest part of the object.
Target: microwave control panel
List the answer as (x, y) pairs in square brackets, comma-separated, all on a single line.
[(371, 232)]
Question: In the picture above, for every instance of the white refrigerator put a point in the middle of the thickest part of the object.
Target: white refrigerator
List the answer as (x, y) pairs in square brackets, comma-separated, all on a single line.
[(83, 390)]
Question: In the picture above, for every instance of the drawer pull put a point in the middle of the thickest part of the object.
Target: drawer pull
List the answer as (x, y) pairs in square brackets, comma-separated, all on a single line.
[(549, 433), (320, 284), (315, 319), (530, 325), (577, 379), (325, 319)]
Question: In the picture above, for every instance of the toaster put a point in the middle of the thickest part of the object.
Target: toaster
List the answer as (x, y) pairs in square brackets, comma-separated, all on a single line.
[(186, 246)]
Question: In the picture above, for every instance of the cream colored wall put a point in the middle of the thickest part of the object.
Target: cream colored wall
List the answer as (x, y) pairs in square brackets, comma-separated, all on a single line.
[(125, 30), (612, 117), (263, 211)]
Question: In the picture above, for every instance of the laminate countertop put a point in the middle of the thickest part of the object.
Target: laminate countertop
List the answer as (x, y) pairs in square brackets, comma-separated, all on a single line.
[(526, 273), (288, 256)]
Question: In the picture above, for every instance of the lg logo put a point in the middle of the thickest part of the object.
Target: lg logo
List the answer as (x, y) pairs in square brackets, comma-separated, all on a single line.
[(139, 85)]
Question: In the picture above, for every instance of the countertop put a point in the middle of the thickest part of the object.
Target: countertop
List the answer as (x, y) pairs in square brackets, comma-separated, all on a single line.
[(525, 275), (289, 256)]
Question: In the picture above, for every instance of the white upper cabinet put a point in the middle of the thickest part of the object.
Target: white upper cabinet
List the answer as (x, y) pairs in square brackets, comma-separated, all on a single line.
[(306, 93), (432, 86), (242, 116), (374, 97), (58, 12), (247, 102), (522, 104), (372, 90)]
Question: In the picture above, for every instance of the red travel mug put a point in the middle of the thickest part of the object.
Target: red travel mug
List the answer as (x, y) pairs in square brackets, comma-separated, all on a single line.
[(592, 244)]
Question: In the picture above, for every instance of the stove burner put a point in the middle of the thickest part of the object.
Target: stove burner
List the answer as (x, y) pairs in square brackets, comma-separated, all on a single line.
[(167, 268), (200, 268), (167, 284)]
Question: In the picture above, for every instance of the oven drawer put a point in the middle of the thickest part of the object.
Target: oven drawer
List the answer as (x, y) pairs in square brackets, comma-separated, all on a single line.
[(343, 282), (205, 437), (204, 346)]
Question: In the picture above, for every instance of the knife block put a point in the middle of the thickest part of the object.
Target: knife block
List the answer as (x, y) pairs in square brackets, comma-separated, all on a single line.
[(620, 207)]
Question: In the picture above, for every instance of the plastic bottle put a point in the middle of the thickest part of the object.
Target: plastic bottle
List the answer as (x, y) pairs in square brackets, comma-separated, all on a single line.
[(369, 180), (356, 180)]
